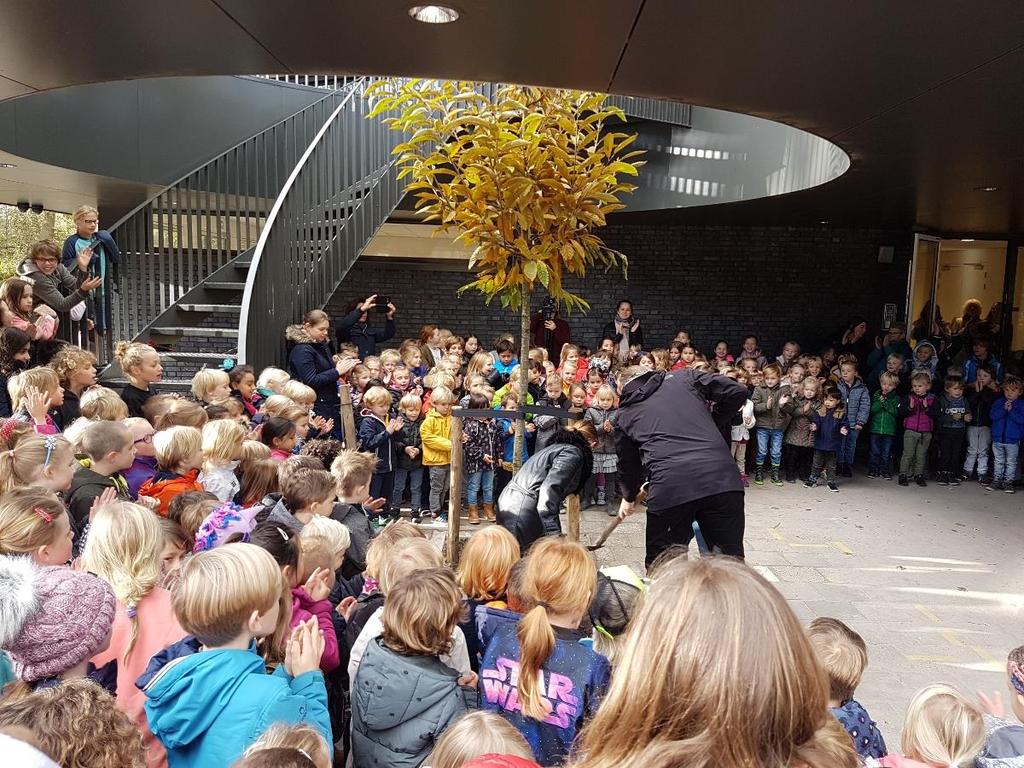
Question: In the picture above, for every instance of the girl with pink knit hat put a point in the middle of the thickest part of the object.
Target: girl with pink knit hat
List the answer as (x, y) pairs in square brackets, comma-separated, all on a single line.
[(52, 621)]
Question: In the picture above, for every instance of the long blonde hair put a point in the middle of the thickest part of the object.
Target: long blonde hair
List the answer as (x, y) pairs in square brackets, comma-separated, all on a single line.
[(561, 576), (486, 563), (474, 735), (28, 520), (27, 454), (942, 727), (697, 681), (123, 548)]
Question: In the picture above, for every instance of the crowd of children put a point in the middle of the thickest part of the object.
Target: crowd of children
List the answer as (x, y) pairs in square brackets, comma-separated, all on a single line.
[(218, 580)]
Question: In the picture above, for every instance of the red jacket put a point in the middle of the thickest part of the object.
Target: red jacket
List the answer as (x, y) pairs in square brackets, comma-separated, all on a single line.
[(166, 485)]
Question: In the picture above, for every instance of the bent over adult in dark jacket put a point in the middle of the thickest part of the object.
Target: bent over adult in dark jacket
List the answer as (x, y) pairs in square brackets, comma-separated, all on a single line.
[(528, 507), (665, 431), (354, 328)]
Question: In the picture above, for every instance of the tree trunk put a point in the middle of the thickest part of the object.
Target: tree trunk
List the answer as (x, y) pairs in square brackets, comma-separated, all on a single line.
[(524, 377)]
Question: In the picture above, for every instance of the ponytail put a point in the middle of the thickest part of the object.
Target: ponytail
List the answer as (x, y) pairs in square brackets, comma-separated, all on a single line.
[(536, 643), (24, 453)]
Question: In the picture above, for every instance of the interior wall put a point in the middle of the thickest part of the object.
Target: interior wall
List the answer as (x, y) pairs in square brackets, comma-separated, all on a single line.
[(970, 272)]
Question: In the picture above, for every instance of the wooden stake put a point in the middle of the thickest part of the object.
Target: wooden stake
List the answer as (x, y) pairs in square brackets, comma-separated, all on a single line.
[(348, 421), (455, 491), (572, 507)]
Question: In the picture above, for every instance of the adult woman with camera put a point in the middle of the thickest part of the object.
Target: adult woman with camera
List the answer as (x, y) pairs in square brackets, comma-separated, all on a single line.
[(354, 327)]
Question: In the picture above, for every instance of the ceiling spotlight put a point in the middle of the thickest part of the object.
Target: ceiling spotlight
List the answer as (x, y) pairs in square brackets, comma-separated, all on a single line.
[(8, 165), (434, 14), (966, 239), (985, 189), (824, 221)]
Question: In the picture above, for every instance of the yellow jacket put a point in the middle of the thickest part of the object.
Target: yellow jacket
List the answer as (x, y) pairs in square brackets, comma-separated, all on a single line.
[(436, 434)]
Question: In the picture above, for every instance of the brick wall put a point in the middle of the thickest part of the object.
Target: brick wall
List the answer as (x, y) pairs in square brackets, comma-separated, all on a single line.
[(714, 281)]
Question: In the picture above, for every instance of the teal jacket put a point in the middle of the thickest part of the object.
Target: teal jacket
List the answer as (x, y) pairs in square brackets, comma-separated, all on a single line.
[(883, 413), (207, 707)]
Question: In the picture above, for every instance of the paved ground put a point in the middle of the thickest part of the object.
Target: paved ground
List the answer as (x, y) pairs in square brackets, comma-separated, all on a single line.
[(933, 579)]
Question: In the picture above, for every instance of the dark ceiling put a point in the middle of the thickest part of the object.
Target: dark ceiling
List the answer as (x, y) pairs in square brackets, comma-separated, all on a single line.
[(926, 96)]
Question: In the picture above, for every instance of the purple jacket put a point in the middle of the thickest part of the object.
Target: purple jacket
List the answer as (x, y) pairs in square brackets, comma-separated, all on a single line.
[(914, 411), (141, 470)]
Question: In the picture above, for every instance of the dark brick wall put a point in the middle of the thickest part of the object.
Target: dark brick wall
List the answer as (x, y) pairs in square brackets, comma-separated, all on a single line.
[(778, 282)]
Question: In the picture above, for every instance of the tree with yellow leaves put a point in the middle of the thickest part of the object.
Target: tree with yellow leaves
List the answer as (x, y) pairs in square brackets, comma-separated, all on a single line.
[(524, 174)]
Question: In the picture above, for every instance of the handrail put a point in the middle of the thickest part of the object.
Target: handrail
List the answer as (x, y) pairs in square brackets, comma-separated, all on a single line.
[(177, 238), (340, 191)]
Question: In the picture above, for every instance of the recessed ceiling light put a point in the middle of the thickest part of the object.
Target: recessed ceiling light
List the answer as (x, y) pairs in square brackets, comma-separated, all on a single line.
[(823, 221), (966, 239), (434, 14), (8, 165), (985, 189)]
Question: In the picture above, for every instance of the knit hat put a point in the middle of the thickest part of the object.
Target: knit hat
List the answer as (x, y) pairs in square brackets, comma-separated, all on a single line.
[(51, 618)]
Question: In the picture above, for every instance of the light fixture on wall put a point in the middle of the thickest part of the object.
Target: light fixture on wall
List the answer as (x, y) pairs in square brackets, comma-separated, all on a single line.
[(986, 189), (434, 14), (8, 165), (966, 239), (886, 254)]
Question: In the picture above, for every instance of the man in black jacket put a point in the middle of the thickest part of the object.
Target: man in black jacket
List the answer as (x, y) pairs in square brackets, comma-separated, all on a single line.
[(354, 326), (666, 434)]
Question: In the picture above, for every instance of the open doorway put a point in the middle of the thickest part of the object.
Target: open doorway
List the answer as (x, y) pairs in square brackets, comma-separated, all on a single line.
[(947, 274)]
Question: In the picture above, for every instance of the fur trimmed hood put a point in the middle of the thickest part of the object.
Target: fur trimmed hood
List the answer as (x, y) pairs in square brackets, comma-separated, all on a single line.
[(18, 601), (296, 334)]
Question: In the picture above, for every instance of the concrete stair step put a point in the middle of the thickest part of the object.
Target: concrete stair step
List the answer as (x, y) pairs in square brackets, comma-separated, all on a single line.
[(218, 285), (180, 330), (233, 308)]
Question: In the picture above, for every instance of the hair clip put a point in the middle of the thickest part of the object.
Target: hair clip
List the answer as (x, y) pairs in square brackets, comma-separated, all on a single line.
[(283, 534), (43, 514), (50, 441), (132, 611), (227, 364)]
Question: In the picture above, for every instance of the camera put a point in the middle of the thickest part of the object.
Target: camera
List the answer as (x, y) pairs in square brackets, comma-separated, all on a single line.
[(382, 303), (548, 309)]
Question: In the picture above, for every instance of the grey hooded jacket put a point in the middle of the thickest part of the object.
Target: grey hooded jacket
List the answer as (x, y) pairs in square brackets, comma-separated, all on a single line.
[(400, 706), (1004, 747)]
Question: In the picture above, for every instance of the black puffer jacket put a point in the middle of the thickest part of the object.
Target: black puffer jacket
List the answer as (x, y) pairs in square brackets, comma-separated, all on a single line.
[(528, 507)]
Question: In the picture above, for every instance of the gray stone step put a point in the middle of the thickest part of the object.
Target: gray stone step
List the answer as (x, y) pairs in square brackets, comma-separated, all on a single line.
[(217, 285), (179, 330), (233, 308)]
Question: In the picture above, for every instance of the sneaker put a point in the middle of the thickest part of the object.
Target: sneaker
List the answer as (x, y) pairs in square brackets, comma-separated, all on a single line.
[(963, 475), (833, 487), (1008, 488), (416, 516), (886, 475), (943, 478), (810, 482), (744, 479), (954, 480), (985, 480), (759, 476), (904, 480), (921, 481), (601, 499), (443, 518), (776, 480), (993, 485), (873, 473), (381, 520)]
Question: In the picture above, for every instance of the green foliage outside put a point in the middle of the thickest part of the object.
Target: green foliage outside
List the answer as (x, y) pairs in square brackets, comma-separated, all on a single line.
[(19, 230)]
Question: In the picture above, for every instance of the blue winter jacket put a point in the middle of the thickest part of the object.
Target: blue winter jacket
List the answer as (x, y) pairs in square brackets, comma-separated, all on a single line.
[(208, 707), (1007, 426), (374, 438), (971, 368), (857, 400), (828, 437), (311, 364), (574, 677)]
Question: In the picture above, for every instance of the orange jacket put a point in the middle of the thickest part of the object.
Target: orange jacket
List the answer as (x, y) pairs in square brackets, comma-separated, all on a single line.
[(165, 486)]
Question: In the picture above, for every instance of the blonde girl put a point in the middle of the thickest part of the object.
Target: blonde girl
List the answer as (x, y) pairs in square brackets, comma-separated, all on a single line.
[(34, 522), (103, 404), (45, 461), (271, 381), (124, 549), (474, 735), (691, 689), (942, 729), (33, 394), (486, 563), (560, 576), (479, 364), (259, 479), (571, 355), (302, 738), (76, 371), (222, 450), (141, 366), (211, 385), (299, 393)]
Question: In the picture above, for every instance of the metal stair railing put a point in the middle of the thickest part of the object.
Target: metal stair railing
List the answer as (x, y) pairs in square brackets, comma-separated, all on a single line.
[(314, 233), (173, 241)]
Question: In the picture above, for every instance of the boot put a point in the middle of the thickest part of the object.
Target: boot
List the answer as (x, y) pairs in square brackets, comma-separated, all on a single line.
[(489, 512), (472, 514), (601, 499), (759, 476), (775, 476)]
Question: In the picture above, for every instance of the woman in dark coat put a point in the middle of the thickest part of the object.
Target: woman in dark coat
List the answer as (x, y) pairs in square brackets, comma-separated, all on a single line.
[(311, 362), (354, 328), (529, 505), (856, 341)]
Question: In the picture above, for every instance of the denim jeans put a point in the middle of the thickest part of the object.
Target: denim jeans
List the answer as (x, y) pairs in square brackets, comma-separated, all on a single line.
[(774, 438), (848, 448), (881, 452), (1004, 457), (415, 477), (477, 482)]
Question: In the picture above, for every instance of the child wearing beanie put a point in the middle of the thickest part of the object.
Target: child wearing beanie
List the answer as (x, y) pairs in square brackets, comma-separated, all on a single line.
[(52, 621)]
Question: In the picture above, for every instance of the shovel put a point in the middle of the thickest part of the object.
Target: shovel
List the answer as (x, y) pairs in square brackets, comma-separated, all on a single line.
[(641, 498)]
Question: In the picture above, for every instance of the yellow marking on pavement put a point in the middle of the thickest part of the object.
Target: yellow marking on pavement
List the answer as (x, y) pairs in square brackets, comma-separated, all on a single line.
[(842, 547), (810, 546), (776, 535), (927, 614), (983, 654), (934, 659), (952, 638)]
